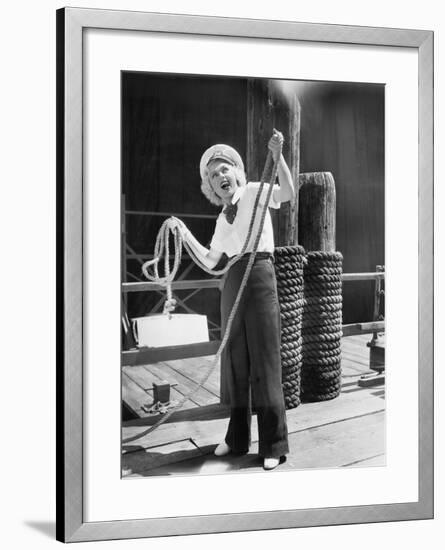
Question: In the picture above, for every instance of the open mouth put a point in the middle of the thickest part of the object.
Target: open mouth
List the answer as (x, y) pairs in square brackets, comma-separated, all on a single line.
[(225, 185)]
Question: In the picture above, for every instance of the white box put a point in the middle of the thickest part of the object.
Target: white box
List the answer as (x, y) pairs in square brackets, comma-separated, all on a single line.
[(161, 330)]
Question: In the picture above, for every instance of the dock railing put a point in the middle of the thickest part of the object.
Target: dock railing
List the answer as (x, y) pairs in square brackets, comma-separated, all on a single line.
[(143, 356)]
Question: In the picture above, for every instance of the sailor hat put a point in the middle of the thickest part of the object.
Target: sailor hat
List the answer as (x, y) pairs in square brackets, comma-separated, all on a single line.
[(219, 151)]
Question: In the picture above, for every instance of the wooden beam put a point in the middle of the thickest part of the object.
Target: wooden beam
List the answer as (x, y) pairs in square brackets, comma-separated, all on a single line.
[(215, 283), (176, 285), (129, 274), (371, 379), (363, 328), (169, 214), (363, 276), (145, 356), (148, 256)]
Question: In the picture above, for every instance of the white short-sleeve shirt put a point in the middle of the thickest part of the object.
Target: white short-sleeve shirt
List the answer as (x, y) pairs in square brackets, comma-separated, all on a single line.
[(229, 238)]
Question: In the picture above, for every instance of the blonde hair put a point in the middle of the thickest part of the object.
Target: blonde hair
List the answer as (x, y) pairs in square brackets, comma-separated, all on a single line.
[(208, 191)]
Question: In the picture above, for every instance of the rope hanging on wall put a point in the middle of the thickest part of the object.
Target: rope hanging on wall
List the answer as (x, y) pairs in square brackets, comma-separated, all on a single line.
[(321, 329), (289, 262)]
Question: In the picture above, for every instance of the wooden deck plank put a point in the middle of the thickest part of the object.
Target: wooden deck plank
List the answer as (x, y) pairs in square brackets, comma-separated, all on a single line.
[(177, 391), (141, 377), (183, 424), (350, 367), (134, 463), (355, 346), (353, 365), (359, 354), (357, 359), (144, 380), (355, 352), (357, 338), (195, 369), (208, 430), (350, 443), (185, 384), (340, 443), (348, 370), (356, 342), (133, 395), (379, 460)]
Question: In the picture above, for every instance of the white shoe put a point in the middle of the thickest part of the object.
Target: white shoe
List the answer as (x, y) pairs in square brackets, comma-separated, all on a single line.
[(222, 449), (271, 463)]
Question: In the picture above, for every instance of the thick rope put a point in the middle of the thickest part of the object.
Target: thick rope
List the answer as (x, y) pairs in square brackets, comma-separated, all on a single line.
[(321, 330), (169, 276), (289, 263)]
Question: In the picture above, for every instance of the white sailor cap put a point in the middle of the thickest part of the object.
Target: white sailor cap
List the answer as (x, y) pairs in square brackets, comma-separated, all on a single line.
[(222, 152)]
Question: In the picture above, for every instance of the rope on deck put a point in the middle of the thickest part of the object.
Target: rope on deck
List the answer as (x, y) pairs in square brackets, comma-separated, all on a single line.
[(321, 329)]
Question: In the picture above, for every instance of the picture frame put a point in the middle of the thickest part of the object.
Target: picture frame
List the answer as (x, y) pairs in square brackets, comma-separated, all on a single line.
[(71, 522)]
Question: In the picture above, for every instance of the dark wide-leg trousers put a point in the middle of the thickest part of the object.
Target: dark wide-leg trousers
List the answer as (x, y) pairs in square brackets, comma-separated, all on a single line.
[(252, 359)]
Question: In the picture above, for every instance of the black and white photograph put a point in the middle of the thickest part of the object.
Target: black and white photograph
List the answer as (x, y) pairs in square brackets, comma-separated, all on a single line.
[(252, 275)]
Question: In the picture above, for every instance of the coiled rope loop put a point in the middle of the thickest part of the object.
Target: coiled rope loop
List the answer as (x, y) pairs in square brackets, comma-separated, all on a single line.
[(289, 265), (322, 326)]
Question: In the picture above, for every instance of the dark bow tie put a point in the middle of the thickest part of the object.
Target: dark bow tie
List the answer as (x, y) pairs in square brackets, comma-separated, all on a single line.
[(230, 212)]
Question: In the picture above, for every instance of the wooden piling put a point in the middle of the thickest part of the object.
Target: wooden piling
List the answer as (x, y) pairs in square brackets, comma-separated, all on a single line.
[(320, 372), (269, 106), (316, 218)]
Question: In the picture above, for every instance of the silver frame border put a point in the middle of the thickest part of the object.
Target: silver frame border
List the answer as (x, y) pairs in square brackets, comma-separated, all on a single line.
[(70, 525)]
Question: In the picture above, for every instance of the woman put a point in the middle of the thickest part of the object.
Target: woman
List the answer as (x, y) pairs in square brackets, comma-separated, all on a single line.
[(252, 354)]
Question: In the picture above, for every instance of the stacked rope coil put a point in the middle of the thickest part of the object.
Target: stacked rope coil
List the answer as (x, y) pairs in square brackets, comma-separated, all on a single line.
[(322, 326), (289, 263)]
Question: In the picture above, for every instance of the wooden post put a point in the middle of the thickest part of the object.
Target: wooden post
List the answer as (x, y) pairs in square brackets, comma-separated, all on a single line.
[(273, 104), (317, 234), (316, 222)]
